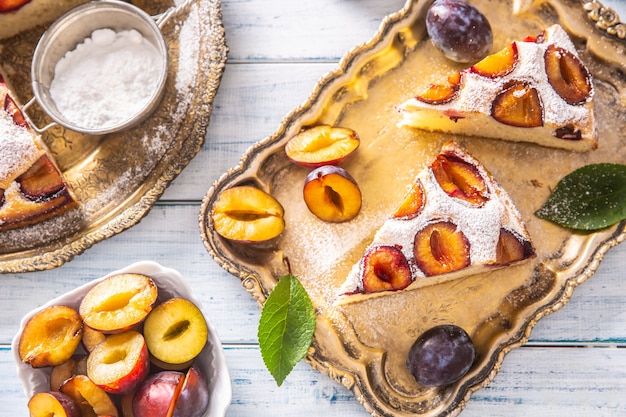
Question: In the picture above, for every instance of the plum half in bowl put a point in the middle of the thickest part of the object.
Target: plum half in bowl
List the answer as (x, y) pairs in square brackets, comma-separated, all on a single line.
[(171, 284)]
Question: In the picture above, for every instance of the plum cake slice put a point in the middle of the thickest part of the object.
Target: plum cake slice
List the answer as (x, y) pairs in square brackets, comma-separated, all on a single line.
[(455, 221), (32, 188), (536, 90)]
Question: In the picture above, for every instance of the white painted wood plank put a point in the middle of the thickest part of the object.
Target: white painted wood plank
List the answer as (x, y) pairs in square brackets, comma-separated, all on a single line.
[(544, 382), (596, 311), (168, 235), (292, 30), (540, 382), (11, 393)]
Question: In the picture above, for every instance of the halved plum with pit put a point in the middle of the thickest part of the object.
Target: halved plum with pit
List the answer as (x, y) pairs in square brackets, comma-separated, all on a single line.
[(332, 194), (322, 145), (247, 214)]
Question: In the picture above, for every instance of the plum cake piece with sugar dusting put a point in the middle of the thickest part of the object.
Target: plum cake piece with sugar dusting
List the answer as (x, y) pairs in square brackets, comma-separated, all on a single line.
[(455, 221), (537, 90), (32, 187)]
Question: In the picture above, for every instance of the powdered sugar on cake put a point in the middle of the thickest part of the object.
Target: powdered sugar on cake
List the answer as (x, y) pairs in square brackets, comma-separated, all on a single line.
[(481, 225), (471, 110), (478, 92), (17, 149), (186, 32)]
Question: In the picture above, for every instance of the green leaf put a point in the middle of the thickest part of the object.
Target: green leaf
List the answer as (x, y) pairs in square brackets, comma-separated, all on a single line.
[(590, 198), (286, 327)]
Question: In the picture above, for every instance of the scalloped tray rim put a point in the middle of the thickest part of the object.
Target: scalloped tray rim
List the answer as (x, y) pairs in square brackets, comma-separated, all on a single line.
[(64, 249), (607, 238)]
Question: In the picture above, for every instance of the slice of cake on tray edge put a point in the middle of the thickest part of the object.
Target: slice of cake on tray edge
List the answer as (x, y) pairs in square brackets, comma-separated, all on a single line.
[(455, 221), (536, 90), (32, 187)]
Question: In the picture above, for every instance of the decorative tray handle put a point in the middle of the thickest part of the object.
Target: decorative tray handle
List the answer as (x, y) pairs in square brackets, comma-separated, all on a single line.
[(605, 18), (162, 18), (37, 129)]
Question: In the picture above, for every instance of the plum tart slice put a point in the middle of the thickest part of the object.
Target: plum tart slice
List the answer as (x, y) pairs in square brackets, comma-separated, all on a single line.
[(32, 187), (537, 90), (455, 221)]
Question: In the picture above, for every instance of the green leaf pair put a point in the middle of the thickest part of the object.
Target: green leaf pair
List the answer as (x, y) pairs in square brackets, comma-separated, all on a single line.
[(286, 327), (590, 198)]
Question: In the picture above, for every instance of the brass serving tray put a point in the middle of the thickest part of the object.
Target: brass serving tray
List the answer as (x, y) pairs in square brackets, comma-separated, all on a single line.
[(118, 177), (364, 345)]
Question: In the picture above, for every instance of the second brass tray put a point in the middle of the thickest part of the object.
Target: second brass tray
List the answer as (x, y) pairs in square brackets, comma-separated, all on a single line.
[(117, 178), (364, 345)]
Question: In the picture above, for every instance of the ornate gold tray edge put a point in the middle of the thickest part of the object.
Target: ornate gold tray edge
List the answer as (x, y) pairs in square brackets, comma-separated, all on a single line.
[(578, 273), (276, 140), (570, 270), (605, 19), (58, 252)]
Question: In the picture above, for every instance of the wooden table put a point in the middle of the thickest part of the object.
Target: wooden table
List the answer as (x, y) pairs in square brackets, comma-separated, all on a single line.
[(573, 365)]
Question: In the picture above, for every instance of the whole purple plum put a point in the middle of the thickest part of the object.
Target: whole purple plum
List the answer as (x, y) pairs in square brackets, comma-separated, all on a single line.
[(441, 356), (459, 30)]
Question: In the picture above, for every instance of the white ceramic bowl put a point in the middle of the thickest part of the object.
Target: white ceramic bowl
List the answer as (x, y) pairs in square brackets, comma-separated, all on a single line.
[(170, 284)]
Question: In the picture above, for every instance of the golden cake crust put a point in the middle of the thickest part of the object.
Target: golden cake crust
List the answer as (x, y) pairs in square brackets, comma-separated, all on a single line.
[(521, 93)]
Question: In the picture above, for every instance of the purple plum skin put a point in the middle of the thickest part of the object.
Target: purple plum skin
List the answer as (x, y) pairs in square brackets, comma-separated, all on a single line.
[(459, 30)]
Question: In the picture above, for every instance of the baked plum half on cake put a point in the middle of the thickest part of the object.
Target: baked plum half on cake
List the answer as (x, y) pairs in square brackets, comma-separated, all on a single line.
[(455, 221), (537, 90)]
